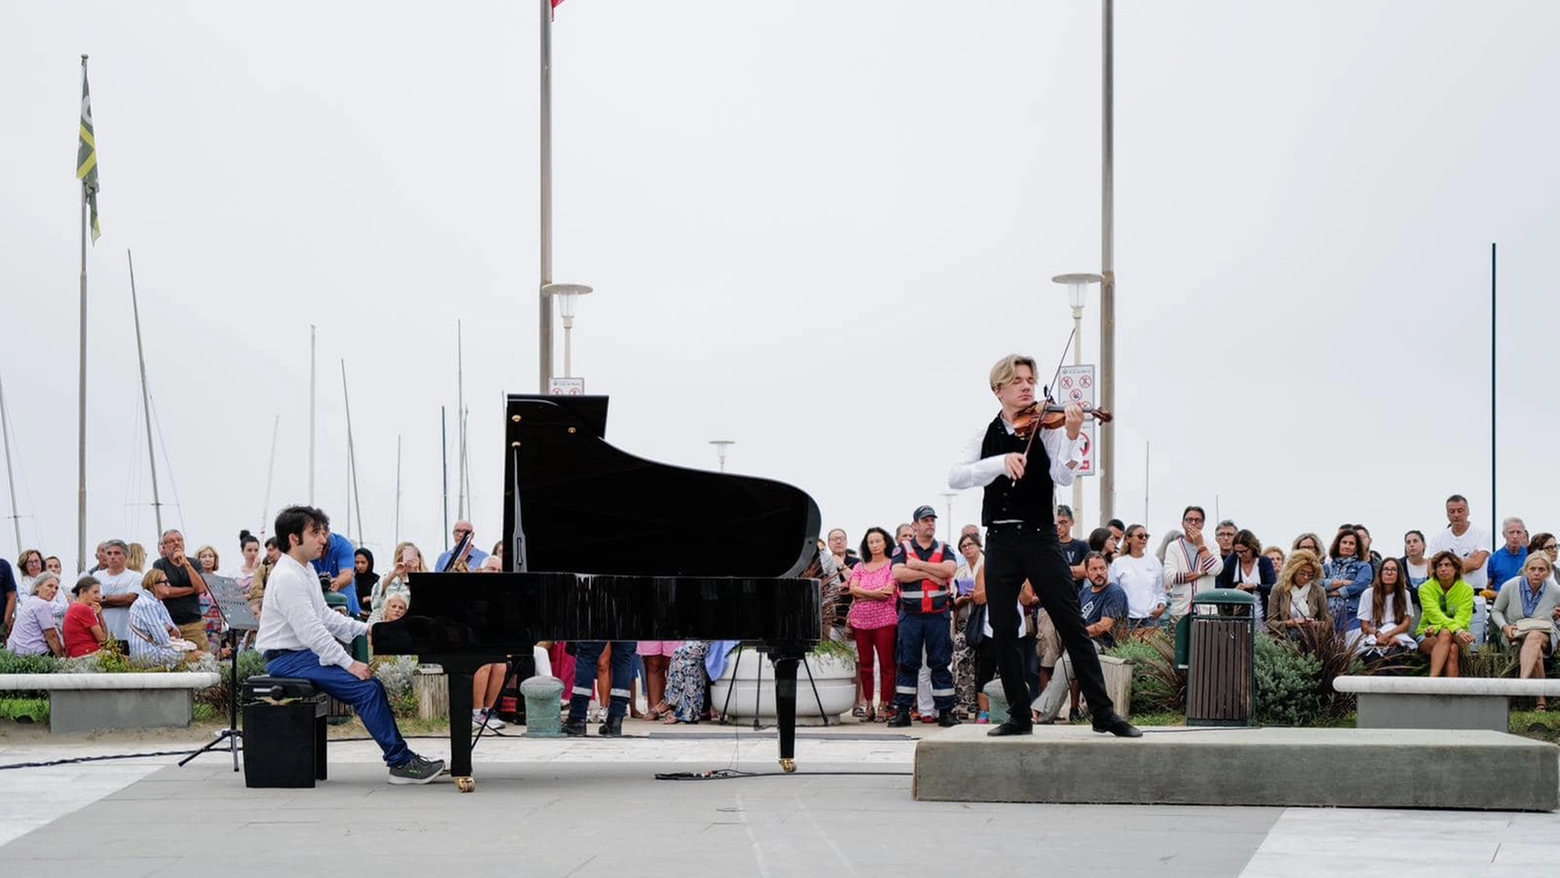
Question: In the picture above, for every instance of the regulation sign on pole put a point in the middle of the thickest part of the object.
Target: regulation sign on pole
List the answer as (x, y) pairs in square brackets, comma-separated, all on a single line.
[(1076, 384), (565, 386)]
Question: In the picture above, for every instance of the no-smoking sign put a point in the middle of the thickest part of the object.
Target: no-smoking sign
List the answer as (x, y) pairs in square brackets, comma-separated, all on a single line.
[(1076, 384)]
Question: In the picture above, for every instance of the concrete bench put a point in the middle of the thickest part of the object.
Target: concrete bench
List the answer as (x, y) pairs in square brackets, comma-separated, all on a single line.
[(83, 702), (1440, 702)]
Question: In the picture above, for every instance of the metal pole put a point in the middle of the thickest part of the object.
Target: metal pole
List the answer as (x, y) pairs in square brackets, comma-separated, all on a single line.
[(460, 428), (1147, 447), (1077, 485), (81, 399), (948, 508), (398, 489), (146, 403), (10, 477), (544, 304), (270, 471), (311, 414), (1105, 451), (444, 463), (1494, 445), (357, 498), (568, 348)]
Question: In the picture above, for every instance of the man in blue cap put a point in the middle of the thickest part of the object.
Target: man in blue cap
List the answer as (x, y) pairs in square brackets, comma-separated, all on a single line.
[(924, 569)]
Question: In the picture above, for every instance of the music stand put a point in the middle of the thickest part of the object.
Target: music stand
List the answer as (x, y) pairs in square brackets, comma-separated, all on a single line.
[(233, 606)]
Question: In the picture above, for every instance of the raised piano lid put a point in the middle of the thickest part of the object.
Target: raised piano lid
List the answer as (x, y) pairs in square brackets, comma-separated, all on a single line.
[(589, 507)]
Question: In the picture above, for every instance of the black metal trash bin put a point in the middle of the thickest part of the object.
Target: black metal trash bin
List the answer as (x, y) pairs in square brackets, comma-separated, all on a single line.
[(1219, 650), (284, 732)]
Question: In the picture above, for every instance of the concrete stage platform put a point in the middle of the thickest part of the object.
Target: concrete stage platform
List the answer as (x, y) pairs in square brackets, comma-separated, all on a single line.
[(1349, 768)]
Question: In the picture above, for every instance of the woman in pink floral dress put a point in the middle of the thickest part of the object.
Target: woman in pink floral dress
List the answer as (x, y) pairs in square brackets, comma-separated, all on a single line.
[(873, 618)]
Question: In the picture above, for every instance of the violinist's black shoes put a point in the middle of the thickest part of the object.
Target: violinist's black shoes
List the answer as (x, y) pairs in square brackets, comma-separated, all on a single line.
[(1111, 722)]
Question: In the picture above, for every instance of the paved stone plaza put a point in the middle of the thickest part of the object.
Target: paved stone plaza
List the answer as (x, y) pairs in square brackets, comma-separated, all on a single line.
[(582, 808)]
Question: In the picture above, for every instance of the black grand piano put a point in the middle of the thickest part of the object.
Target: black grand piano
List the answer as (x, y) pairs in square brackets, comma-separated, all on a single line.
[(602, 545)]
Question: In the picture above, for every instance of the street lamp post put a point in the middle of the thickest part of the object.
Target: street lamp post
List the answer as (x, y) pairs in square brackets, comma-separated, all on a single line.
[(948, 497), (568, 296), (1077, 293), (720, 450)]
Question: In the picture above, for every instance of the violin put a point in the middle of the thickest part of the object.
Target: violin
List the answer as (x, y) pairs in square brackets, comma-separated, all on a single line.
[(1049, 416)]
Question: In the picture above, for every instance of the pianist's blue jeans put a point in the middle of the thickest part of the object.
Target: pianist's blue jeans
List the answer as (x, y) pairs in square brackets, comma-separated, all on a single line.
[(586, 654), (367, 697)]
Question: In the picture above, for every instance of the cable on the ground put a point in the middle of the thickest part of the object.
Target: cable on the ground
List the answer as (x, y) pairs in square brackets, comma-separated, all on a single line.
[(735, 774), (73, 760)]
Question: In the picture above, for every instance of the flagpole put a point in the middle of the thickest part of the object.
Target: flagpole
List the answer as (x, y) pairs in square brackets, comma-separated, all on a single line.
[(544, 303), (81, 394), (146, 405)]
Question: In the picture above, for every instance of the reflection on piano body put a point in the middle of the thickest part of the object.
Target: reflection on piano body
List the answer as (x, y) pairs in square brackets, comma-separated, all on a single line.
[(602, 545)]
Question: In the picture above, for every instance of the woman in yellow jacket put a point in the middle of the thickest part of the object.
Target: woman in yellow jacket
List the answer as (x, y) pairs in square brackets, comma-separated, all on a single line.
[(1448, 615)]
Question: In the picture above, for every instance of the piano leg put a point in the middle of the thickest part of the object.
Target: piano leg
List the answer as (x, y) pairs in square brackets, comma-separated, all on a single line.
[(785, 705), (460, 730)]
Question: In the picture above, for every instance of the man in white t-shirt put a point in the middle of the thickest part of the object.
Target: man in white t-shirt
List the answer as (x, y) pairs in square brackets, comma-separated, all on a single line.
[(1472, 544), (121, 586)]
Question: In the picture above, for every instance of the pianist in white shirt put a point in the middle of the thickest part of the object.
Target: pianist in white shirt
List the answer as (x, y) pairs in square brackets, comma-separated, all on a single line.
[(301, 637)]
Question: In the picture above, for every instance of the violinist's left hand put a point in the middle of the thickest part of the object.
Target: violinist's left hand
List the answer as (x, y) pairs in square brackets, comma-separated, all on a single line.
[(1074, 422)]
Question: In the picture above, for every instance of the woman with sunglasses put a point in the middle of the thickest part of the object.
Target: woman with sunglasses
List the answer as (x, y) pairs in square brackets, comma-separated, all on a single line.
[(1142, 577)]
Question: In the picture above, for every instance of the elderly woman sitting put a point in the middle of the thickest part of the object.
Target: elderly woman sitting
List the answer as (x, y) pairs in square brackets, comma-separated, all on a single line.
[(1299, 600), (155, 642), (1524, 612)]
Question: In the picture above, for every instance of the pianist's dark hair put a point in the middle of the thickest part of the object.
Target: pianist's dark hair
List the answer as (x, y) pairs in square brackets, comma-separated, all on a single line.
[(296, 521), (888, 543)]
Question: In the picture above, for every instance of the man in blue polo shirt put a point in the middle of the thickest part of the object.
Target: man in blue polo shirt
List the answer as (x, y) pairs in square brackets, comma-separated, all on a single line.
[(1506, 562), (339, 563)]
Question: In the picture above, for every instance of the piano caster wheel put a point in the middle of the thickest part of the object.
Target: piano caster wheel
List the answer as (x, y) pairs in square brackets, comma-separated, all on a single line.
[(465, 784), (788, 766)]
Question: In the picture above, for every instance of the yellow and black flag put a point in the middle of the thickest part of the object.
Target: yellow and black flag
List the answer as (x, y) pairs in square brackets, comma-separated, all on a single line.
[(86, 154)]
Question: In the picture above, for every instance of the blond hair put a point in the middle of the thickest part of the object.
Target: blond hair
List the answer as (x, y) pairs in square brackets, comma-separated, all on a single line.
[(135, 558), (400, 551), (216, 559), (1006, 369)]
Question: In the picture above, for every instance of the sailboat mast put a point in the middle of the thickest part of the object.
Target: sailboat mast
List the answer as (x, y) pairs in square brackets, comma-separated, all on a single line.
[(311, 414), (460, 409), (146, 405), (270, 471), (10, 477), (398, 489), (444, 466), (357, 498)]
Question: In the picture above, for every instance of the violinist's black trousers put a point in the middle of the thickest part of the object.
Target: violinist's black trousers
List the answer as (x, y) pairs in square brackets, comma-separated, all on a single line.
[(1014, 553)]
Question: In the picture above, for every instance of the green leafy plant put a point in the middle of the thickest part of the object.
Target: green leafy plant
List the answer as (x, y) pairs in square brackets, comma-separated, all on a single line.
[(395, 672), (836, 649), (25, 710), (11, 663), (1287, 683), (1157, 685)]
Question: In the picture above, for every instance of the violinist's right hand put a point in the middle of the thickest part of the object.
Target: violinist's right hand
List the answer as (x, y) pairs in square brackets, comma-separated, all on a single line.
[(1014, 463)]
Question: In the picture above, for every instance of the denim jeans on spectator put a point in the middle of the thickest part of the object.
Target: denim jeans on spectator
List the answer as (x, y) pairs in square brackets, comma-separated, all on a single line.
[(366, 696)]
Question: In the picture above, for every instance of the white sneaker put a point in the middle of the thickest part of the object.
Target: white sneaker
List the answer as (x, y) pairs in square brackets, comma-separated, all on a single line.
[(481, 717)]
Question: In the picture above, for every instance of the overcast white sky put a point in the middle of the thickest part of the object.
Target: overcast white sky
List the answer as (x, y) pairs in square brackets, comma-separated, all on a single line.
[(811, 228)]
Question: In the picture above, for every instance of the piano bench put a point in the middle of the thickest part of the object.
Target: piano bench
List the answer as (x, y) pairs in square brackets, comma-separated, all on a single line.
[(284, 732)]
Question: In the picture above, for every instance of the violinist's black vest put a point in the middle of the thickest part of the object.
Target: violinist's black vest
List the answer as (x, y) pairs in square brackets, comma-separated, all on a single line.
[(1030, 498)]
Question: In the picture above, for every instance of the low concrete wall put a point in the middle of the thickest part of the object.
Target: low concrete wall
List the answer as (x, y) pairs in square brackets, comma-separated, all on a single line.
[(1217, 766), (83, 710), (1378, 711)]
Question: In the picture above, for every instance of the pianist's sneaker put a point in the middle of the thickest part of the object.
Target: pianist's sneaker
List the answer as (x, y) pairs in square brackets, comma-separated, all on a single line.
[(487, 718), (416, 770)]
